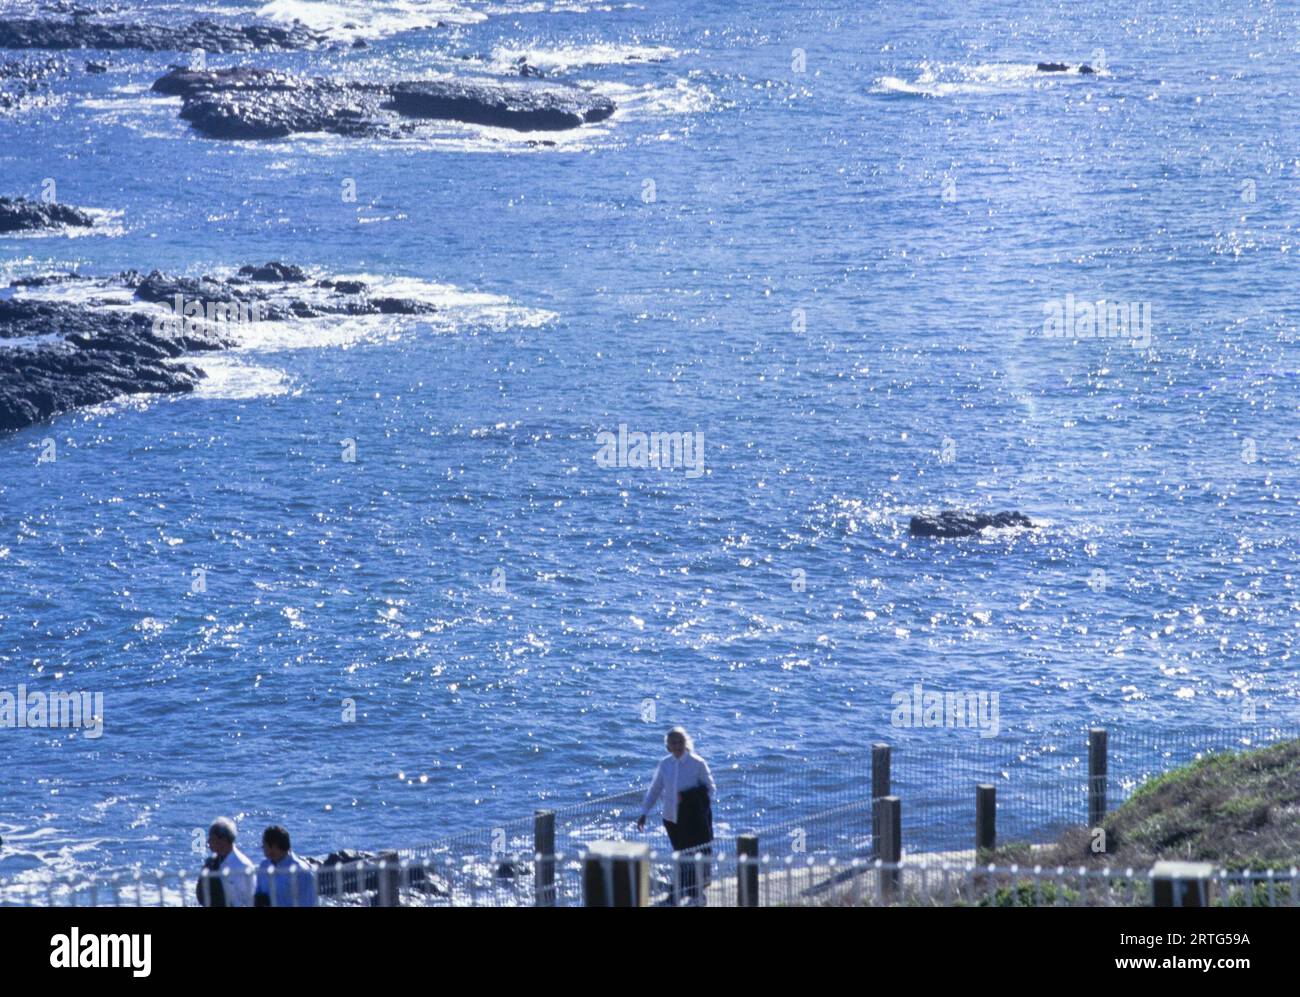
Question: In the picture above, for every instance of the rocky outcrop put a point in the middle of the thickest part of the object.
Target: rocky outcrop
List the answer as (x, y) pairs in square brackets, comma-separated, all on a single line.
[(211, 36), (57, 355), (954, 523), (1061, 67), (522, 107), (61, 356), (17, 214), (252, 103)]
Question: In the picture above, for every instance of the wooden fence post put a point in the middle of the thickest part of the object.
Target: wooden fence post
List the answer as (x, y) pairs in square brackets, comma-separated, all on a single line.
[(880, 787), (1182, 884), (1097, 765), (889, 810), (616, 874), (747, 870), (544, 858), (390, 881), (986, 818)]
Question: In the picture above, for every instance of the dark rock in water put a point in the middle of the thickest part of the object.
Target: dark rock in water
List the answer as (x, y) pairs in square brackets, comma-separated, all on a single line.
[(521, 107), (953, 523), (344, 286), (242, 103), (57, 355), (360, 43), (79, 32), (338, 875), (252, 103), (525, 69), (24, 82), (401, 306), (284, 272), (17, 214), (93, 355)]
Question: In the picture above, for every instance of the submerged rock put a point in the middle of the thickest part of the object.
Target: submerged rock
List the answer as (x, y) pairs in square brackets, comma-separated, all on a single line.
[(211, 36), (253, 103), (17, 214), (954, 523), (57, 355)]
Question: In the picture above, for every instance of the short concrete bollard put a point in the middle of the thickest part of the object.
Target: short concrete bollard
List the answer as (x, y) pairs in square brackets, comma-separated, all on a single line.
[(1182, 884), (616, 874)]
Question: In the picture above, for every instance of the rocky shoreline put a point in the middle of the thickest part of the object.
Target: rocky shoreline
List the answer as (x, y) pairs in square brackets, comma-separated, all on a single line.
[(211, 36), (17, 214), (254, 103), (129, 334)]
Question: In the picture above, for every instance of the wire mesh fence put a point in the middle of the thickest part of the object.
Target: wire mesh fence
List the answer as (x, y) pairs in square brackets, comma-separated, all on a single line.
[(798, 816)]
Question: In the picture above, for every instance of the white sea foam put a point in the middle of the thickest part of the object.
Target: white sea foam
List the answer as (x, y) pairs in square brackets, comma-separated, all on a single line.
[(348, 19), (573, 56), (456, 310), (106, 222), (31, 342), (229, 377), (951, 79)]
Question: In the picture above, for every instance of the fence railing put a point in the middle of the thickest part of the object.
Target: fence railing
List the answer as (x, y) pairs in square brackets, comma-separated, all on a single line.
[(714, 879), (785, 815)]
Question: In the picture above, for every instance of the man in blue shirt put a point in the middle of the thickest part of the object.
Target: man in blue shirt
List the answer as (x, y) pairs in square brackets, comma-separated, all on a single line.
[(283, 880)]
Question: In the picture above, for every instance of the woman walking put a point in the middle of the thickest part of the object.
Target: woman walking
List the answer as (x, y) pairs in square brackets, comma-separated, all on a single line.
[(684, 781)]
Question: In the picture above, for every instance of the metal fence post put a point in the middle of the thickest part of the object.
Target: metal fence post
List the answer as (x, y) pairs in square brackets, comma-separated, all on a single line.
[(986, 818), (1182, 884), (544, 858), (747, 870), (879, 787), (889, 810), (1097, 762)]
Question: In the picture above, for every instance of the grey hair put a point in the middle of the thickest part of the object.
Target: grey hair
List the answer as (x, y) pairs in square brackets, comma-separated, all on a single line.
[(223, 827), (690, 744)]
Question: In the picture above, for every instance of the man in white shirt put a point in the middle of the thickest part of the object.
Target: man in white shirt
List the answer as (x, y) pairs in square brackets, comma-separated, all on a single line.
[(232, 869)]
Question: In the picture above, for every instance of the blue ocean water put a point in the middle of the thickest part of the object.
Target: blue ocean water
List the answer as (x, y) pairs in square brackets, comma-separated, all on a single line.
[(822, 235)]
